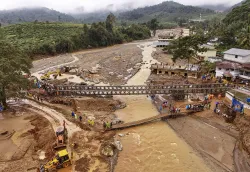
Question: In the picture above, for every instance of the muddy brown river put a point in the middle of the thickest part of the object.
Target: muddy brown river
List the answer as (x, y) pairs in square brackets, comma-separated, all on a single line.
[(155, 146)]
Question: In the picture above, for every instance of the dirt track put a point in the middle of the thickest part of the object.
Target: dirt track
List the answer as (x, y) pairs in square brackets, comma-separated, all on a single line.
[(55, 118)]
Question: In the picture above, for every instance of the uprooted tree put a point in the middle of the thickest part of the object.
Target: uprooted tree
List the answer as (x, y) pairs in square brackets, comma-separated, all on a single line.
[(13, 65)]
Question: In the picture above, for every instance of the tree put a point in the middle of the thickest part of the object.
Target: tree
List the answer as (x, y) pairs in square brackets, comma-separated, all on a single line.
[(186, 47), (153, 25), (110, 22), (13, 63)]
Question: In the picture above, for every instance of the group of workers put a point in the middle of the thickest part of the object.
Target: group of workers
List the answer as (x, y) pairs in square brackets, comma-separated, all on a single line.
[(206, 77), (91, 122), (196, 107), (172, 109)]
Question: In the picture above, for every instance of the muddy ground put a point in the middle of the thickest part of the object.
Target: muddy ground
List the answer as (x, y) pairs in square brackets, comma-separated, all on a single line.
[(32, 134), (223, 146), (91, 140)]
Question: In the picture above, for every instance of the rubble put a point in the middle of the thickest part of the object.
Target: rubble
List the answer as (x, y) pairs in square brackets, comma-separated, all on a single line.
[(107, 151)]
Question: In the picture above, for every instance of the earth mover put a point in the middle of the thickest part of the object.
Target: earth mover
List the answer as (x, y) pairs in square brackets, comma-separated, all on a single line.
[(61, 134), (61, 160)]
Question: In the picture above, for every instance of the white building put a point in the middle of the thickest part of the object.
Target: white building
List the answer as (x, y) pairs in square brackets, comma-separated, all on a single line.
[(237, 55), (185, 32), (235, 64), (226, 67)]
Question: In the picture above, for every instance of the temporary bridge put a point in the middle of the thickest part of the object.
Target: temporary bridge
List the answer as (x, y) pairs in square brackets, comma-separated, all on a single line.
[(146, 120), (83, 90)]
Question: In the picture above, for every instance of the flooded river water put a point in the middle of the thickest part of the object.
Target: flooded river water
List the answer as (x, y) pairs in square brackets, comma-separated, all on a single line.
[(155, 146)]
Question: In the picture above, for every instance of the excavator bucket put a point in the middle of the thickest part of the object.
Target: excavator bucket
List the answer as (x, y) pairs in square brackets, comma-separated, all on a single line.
[(60, 147)]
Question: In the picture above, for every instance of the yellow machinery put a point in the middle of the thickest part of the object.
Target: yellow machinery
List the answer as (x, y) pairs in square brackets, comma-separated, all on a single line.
[(61, 160), (54, 73), (61, 134), (225, 81)]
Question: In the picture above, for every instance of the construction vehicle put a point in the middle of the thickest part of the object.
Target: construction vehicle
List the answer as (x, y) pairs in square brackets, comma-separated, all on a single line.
[(61, 134), (61, 160), (55, 73)]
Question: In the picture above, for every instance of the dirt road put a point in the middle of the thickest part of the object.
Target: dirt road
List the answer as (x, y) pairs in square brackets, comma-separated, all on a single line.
[(54, 117)]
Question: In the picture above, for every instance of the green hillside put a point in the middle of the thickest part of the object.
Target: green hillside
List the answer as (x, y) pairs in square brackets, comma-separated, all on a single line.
[(40, 14), (234, 30), (238, 14), (32, 37), (168, 11), (53, 38)]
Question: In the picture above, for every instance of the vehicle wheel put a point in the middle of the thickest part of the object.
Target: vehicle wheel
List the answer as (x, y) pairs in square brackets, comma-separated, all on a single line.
[(65, 165)]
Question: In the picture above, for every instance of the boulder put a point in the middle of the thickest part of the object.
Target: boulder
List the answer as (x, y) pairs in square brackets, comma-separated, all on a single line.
[(116, 121), (121, 106), (118, 145), (107, 151), (93, 71), (111, 73), (129, 70), (121, 135), (96, 81), (120, 76)]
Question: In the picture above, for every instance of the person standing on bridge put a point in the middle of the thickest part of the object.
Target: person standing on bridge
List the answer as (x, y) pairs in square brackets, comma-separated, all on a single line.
[(73, 114)]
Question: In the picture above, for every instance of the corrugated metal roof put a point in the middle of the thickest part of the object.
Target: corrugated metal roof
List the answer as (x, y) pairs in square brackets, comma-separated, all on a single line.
[(227, 64), (239, 52)]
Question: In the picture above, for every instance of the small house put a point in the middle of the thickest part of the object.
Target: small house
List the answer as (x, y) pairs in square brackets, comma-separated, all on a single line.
[(237, 55), (227, 68)]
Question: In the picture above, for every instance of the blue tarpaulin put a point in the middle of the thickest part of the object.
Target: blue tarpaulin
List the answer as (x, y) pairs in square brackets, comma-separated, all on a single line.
[(237, 106), (248, 100)]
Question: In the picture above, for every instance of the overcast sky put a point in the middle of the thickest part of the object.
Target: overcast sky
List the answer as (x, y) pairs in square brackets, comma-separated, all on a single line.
[(91, 5)]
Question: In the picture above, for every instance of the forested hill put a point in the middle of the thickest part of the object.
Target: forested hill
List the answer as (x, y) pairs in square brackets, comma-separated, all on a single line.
[(234, 30), (239, 14), (41, 14), (234, 6), (166, 12)]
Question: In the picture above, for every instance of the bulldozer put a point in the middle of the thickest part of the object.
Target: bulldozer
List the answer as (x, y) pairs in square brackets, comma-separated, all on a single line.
[(61, 134), (61, 160)]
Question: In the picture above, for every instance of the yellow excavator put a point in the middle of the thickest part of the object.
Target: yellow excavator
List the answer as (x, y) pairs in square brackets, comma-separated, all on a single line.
[(61, 160), (55, 73)]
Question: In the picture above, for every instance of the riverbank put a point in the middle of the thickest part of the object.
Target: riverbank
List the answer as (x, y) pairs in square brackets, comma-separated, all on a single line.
[(155, 146)]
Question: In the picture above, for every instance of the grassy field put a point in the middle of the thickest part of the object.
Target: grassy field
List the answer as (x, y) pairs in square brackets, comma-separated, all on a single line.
[(30, 36)]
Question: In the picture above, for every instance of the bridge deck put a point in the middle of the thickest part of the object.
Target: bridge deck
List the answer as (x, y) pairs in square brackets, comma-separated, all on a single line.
[(140, 122), (80, 90)]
